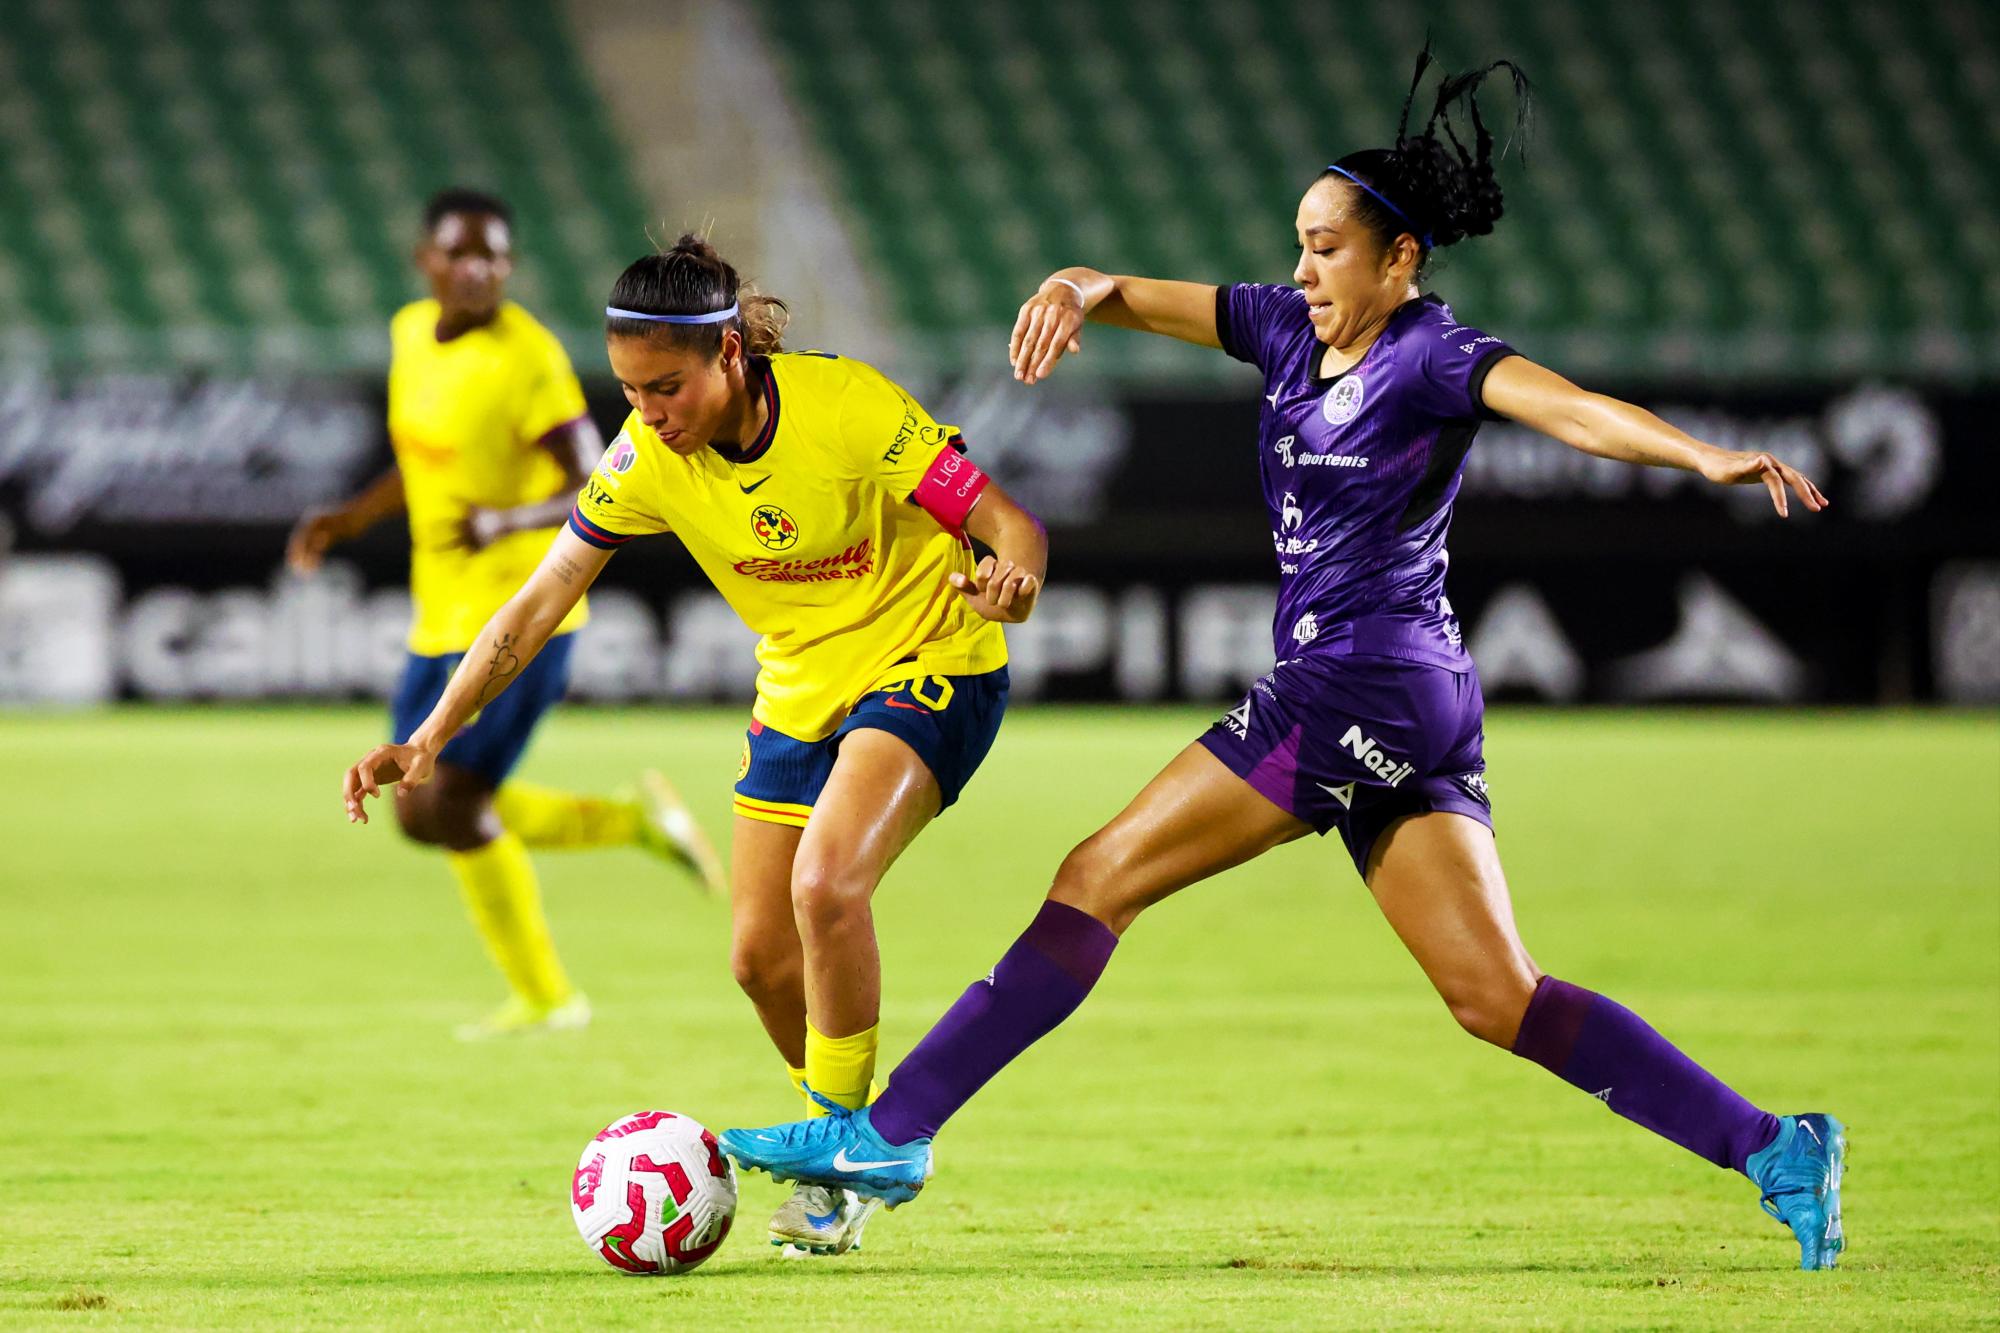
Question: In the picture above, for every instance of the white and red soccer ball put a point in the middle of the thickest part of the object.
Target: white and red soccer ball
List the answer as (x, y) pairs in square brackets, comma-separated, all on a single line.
[(653, 1194)]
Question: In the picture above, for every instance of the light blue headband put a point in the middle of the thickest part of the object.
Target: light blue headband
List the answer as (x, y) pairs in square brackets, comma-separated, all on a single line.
[(712, 317), (1422, 235)]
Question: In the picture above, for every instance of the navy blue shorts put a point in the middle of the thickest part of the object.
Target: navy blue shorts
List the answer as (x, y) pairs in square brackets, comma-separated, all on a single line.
[(950, 721), (1354, 742), (491, 744)]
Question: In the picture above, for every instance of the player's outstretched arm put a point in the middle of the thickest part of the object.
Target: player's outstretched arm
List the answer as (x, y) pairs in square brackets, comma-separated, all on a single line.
[(320, 529), (1536, 396), (502, 652), (1050, 321), (1007, 582)]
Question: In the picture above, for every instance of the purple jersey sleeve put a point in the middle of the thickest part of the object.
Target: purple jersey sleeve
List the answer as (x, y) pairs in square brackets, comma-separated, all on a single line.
[(1452, 362), (1252, 317)]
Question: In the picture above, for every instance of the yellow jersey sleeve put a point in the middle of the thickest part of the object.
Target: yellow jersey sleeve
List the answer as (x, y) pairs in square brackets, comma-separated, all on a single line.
[(617, 502), (886, 435), (554, 397)]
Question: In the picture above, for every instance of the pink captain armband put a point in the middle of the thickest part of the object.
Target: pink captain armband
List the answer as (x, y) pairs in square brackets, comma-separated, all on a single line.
[(949, 490)]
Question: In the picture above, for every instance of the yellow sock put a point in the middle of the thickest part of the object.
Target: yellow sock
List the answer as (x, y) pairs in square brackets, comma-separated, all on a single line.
[(841, 1069), (798, 1078), (545, 817), (813, 1108), (498, 884)]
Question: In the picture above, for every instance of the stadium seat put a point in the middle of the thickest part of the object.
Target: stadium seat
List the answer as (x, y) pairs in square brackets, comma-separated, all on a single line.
[(224, 180), (1688, 203)]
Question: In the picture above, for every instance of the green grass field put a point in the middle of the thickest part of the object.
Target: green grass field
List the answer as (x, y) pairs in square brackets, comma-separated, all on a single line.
[(229, 1096)]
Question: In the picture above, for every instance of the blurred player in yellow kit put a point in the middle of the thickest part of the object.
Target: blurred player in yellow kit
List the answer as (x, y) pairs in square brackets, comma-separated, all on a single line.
[(491, 441)]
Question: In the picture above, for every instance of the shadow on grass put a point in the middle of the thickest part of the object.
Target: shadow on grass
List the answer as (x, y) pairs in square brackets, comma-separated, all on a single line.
[(746, 1271)]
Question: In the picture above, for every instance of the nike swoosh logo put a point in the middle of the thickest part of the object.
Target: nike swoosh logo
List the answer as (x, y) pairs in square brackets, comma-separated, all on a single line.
[(747, 489), (840, 1163), (823, 1221), (898, 703)]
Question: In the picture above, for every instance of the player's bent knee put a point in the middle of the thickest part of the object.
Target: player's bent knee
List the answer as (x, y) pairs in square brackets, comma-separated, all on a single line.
[(466, 816), (1489, 1010), (419, 822), (827, 897), (764, 971), (1479, 1021), (1096, 878)]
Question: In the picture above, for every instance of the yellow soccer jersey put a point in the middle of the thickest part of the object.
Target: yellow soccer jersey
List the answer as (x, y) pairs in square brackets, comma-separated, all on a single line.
[(466, 418), (811, 533)]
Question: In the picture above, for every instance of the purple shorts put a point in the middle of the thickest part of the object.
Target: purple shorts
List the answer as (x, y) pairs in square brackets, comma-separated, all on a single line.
[(1355, 742)]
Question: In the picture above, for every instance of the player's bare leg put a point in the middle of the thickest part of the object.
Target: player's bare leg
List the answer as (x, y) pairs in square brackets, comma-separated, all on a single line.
[(1438, 881), (769, 965), (1437, 878), (790, 884), (878, 798), (764, 951), (1193, 820)]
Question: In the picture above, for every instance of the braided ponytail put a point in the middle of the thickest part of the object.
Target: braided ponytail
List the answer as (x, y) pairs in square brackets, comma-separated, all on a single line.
[(1438, 189)]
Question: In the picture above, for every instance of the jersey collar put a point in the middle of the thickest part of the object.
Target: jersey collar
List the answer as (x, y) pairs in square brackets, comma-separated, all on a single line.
[(1397, 317), (760, 366)]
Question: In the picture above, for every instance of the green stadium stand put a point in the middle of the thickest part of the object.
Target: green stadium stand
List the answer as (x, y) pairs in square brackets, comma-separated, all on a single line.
[(1714, 186), (237, 182)]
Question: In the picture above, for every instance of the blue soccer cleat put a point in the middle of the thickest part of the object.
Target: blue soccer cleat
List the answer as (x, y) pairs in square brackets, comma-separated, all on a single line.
[(838, 1150), (1799, 1172)]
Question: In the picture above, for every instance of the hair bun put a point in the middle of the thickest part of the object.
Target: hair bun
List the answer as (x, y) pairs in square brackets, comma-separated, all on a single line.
[(1456, 199), (696, 247)]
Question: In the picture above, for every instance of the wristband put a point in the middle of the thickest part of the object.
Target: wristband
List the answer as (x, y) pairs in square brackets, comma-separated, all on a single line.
[(1081, 299)]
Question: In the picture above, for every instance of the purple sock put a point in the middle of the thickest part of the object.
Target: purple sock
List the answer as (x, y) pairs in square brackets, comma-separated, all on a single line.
[(1039, 983), (1614, 1055)]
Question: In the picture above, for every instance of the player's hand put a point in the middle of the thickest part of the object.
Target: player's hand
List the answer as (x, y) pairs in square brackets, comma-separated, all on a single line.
[(313, 535), (480, 528), (1046, 328), (1736, 467), (408, 766), (999, 590)]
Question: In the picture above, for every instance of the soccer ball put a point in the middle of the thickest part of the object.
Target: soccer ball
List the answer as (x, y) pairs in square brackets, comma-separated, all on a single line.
[(653, 1194)]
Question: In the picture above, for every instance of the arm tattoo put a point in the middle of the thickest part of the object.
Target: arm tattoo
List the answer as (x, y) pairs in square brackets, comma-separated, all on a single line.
[(566, 570), (504, 666)]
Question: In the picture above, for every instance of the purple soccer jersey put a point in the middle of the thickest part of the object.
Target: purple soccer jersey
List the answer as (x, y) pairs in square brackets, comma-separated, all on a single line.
[(1373, 710), (1360, 469)]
